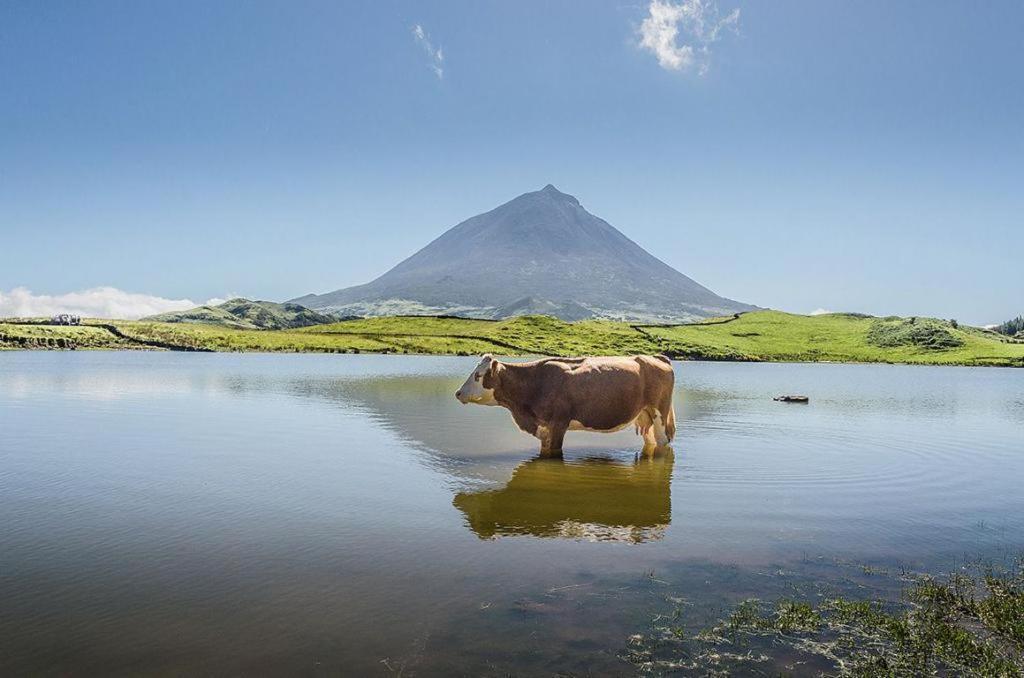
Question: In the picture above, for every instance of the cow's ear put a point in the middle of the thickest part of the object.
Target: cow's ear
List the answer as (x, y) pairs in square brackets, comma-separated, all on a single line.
[(490, 375)]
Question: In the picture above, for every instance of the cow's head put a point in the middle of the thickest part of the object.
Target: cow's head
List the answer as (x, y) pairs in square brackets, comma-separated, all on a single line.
[(479, 386)]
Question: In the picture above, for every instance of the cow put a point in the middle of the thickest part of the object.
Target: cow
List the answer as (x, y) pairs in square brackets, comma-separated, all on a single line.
[(550, 396)]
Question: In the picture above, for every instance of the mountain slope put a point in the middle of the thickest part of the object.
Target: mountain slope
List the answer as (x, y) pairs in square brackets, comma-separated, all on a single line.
[(542, 250), (248, 315)]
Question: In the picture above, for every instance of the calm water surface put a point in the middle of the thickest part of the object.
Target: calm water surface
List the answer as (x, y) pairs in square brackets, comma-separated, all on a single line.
[(296, 514)]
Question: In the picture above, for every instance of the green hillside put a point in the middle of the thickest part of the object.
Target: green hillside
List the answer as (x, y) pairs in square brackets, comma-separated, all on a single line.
[(535, 335), (756, 336), (244, 314), (27, 335), (840, 337)]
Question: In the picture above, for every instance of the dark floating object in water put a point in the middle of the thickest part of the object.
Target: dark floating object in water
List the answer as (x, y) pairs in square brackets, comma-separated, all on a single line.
[(792, 399)]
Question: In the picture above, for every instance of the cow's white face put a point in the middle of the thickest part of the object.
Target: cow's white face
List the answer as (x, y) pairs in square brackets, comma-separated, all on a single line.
[(473, 390)]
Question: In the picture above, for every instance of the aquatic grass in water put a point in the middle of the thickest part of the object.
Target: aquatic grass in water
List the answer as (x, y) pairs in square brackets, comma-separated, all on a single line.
[(968, 623)]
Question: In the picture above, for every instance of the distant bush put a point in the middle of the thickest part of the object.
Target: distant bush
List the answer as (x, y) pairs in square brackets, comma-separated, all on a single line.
[(918, 332), (1012, 328)]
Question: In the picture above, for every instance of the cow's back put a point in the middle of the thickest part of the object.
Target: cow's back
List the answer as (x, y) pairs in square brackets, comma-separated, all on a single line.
[(600, 393)]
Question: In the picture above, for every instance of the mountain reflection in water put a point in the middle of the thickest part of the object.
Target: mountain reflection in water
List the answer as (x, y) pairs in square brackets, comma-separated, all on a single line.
[(271, 514), (593, 499)]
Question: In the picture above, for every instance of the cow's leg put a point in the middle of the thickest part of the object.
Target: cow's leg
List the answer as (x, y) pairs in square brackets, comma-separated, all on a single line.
[(661, 436), (655, 433), (551, 437)]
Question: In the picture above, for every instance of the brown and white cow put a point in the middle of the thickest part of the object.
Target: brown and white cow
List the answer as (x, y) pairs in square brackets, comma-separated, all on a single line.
[(551, 396)]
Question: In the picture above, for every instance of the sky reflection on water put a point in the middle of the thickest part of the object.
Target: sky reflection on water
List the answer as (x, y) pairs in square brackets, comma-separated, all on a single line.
[(227, 513)]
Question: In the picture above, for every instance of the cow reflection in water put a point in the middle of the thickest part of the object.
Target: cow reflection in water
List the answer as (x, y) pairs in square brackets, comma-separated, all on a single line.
[(591, 499)]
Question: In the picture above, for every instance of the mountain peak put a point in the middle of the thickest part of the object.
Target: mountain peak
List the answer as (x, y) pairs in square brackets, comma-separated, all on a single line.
[(553, 192)]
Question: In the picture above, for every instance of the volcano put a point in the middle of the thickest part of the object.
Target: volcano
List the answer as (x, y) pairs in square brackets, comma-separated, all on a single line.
[(539, 253)]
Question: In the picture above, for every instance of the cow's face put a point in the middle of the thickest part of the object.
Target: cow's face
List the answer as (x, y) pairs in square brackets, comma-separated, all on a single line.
[(474, 391)]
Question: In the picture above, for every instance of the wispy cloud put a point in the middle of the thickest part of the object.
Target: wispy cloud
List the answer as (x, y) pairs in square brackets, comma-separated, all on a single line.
[(98, 302), (701, 25), (436, 54)]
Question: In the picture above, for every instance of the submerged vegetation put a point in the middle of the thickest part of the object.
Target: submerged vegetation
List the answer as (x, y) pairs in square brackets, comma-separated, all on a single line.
[(755, 336), (843, 620), (965, 624)]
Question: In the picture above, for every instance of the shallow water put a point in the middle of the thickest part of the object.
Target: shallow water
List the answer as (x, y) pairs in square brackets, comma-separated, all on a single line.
[(184, 513)]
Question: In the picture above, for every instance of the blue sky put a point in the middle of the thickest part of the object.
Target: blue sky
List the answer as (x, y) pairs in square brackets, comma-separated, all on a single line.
[(862, 156)]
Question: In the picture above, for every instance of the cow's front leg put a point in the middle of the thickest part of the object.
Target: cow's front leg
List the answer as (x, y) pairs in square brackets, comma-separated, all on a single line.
[(551, 437)]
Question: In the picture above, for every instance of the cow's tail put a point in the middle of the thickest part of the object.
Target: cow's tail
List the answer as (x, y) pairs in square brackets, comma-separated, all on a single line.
[(670, 414), (670, 422)]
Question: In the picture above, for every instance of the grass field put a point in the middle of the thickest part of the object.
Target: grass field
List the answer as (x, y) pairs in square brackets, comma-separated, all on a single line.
[(758, 336), (23, 335), (837, 337)]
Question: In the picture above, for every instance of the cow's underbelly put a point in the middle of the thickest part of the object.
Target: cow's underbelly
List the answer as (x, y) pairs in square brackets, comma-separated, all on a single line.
[(577, 426)]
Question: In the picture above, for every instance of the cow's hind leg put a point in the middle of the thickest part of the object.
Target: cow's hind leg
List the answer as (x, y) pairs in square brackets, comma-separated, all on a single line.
[(652, 425)]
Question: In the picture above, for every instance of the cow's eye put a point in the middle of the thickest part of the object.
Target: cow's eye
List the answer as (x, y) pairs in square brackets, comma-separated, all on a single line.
[(476, 377)]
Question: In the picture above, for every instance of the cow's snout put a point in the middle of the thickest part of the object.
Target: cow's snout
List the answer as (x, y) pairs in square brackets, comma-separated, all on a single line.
[(458, 395)]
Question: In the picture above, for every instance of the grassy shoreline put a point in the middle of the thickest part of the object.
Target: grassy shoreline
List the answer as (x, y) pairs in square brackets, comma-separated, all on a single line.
[(762, 336)]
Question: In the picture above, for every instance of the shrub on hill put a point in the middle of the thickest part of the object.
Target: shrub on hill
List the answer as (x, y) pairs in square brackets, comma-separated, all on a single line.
[(1012, 328), (923, 333)]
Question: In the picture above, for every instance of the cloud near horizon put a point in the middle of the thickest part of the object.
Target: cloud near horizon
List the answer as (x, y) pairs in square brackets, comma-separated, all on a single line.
[(436, 54), (701, 24), (96, 302)]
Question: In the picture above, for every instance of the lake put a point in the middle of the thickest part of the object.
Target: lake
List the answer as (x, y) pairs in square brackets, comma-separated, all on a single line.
[(168, 513)]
